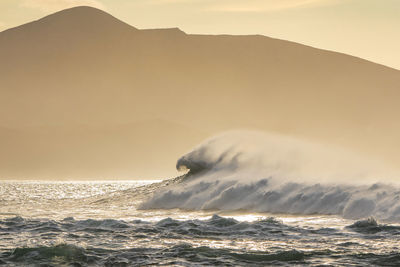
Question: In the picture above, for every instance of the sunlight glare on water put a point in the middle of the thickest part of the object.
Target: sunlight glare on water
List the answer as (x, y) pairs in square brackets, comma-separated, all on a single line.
[(78, 222)]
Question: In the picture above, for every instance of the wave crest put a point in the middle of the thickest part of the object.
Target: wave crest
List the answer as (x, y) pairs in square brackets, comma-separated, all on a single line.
[(270, 173)]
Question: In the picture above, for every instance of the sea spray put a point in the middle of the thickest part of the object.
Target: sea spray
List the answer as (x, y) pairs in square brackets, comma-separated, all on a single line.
[(253, 171)]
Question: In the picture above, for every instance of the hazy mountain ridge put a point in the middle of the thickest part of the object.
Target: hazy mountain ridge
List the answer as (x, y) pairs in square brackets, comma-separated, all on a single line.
[(83, 66)]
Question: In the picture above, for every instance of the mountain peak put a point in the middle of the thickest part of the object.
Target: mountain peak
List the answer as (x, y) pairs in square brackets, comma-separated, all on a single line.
[(84, 15), (79, 11), (83, 19)]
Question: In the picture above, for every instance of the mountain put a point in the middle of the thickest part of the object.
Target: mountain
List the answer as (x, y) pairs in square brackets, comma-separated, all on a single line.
[(81, 73)]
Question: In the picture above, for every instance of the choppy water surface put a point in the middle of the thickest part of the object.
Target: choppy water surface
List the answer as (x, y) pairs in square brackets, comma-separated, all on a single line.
[(98, 223)]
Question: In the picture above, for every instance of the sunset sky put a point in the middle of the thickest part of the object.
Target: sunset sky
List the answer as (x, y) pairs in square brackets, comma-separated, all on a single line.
[(364, 28)]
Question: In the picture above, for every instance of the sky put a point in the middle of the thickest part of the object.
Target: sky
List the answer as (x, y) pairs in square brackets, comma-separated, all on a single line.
[(368, 29)]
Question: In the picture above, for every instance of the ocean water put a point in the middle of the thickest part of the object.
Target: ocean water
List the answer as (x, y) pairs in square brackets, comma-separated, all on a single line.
[(100, 224), (245, 200)]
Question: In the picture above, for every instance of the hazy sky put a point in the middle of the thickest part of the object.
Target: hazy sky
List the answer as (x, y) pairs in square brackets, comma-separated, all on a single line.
[(366, 28)]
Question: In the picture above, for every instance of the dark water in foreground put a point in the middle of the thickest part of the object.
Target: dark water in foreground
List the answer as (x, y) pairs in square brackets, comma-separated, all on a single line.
[(97, 224)]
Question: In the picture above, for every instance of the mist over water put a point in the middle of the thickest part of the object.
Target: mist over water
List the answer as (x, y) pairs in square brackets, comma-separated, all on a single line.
[(292, 159), (252, 171)]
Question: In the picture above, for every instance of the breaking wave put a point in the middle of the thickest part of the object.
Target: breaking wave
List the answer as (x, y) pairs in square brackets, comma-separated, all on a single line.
[(259, 172)]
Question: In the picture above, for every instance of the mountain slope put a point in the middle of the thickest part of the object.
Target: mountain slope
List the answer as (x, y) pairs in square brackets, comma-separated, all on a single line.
[(82, 66)]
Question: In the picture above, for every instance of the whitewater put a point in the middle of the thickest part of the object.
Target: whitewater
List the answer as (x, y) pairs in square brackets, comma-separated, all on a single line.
[(244, 199), (256, 172)]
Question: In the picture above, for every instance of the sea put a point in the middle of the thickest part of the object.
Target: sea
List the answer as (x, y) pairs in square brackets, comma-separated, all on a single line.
[(100, 224), (231, 207)]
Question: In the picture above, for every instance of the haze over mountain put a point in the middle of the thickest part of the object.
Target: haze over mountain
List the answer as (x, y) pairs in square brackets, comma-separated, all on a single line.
[(84, 95)]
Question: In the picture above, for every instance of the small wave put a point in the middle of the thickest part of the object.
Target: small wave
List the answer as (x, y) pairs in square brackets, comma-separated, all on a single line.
[(372, 259), (77, 256), (185, 254), (64, 253), (214, 256), (217, 227), (214, 241), (371, 226), (101, 224), (220, 227)]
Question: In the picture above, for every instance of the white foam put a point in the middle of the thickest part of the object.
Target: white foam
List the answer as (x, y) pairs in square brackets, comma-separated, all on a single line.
[(273, 173)]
